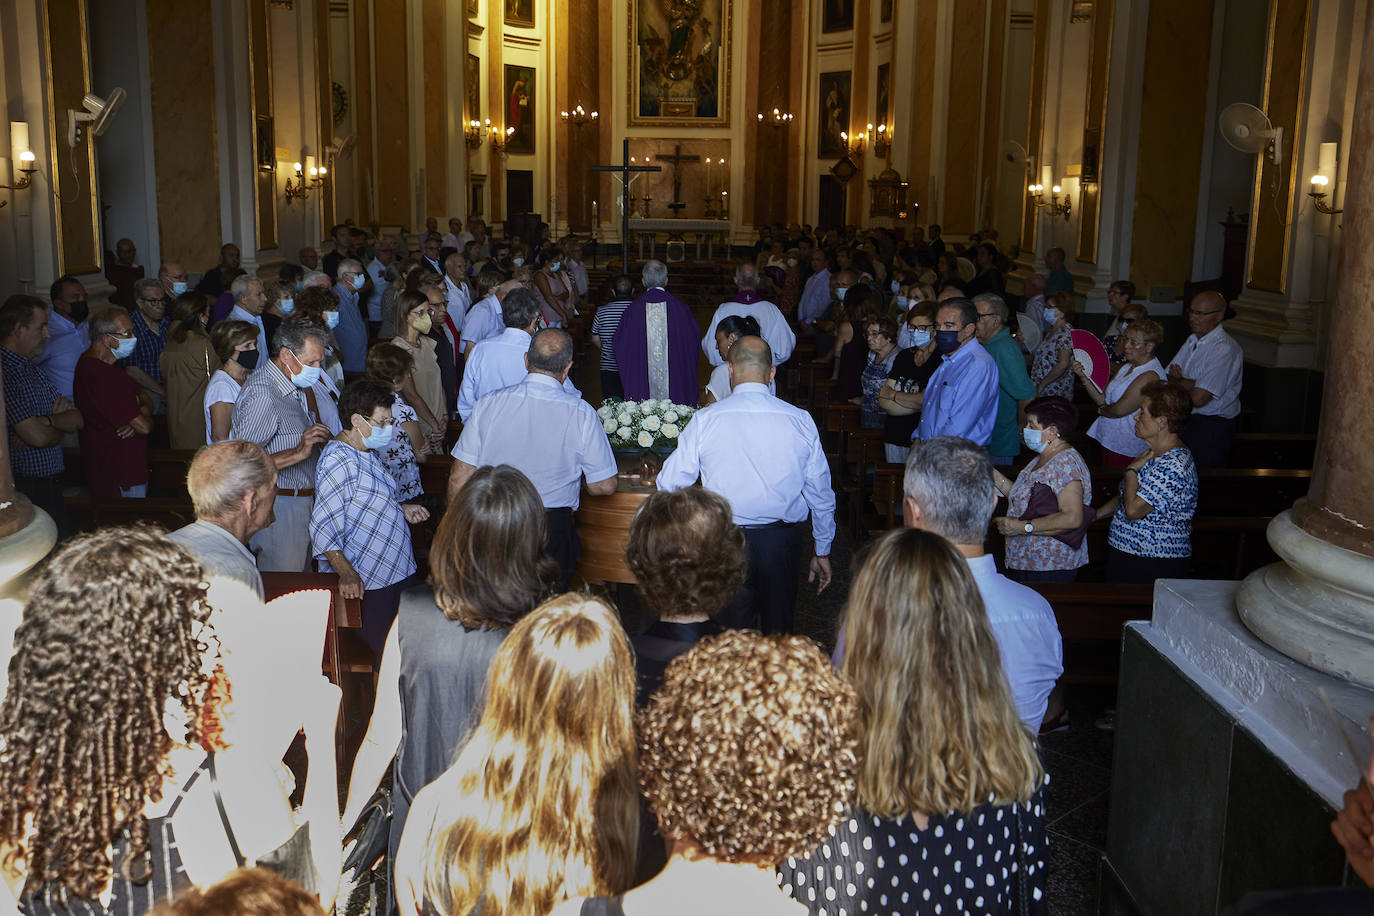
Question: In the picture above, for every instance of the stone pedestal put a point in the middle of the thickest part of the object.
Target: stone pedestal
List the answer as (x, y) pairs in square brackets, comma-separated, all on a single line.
[(1227, 768)]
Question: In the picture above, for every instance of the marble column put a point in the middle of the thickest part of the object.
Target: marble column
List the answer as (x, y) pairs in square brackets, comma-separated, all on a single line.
[(1318, 605)]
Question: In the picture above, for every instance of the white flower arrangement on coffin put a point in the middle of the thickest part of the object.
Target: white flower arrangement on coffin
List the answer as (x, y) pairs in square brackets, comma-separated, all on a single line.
[(649, 424)]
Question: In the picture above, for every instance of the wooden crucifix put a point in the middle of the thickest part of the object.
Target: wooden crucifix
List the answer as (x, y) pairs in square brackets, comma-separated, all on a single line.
[(625, 169), (677, 158)]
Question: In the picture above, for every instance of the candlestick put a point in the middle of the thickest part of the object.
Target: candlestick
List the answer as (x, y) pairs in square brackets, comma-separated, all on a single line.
[(708, 174), (596, 216)]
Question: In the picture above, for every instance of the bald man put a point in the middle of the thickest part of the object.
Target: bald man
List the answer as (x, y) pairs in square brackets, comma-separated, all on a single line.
[(1209, 365), (550, 435), (747, 301), (233, 486), (765, 457)]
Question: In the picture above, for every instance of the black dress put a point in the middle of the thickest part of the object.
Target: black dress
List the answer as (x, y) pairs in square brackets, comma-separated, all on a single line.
[(907, 377), (986, 861)]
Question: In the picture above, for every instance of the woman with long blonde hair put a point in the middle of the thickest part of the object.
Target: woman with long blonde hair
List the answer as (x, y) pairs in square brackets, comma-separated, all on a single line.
[(948, 805), (541, 803)]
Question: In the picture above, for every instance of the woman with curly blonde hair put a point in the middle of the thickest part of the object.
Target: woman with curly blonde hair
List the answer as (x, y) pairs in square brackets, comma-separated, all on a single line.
[(540, 804), (948, 813), (747, 756), (113, 720)]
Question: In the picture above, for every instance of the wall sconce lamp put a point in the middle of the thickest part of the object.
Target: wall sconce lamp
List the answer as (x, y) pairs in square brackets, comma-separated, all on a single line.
[(777, 119), (579, 116), (1057, 208), (882, 140), (1326, 167), (26, 171), (302, 189), (476, 133), (500, 138), (1318, 195), (855, 143)]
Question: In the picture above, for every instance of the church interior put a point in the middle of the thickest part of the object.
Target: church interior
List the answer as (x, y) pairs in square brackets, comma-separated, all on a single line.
[(1215, 723)]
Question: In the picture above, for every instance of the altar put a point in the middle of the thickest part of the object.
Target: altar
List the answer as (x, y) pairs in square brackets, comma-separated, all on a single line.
[(675, 229)]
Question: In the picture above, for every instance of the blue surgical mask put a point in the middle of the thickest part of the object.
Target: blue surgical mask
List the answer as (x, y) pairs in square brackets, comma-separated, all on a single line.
[(178, 287), (1051, 315), (308, 375), (518, 262), (1034, 439), (300, 285), (896, 285), (920, 338), (903, 303), (287, 306), (840, 291), (358, 281), (379, 437), (553, 267), (331, 319), (946, 341), (125, 348)]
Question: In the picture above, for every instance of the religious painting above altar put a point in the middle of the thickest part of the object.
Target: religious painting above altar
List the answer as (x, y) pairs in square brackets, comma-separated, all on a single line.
[(520, 110), (679, 58)]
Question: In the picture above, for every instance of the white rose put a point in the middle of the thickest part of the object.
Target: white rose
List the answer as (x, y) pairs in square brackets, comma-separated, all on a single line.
[(609, 425), (670, 431), (671, 416), (624, 432), (605, 411), (652, 423), (624, 419), (645, 440)]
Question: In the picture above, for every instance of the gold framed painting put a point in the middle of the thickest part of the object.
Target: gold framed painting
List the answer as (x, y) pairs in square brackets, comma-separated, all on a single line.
[(519, 13), (679, 63)]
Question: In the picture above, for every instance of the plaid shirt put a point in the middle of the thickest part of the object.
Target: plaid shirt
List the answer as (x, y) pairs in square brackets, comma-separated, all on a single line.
[(28, 394), (358, 513), (148, 350)]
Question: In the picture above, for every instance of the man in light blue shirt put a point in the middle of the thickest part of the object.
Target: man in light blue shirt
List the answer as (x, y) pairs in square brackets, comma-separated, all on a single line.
[(547, 433), (352, 330), (70, 336), (961, 399), (815, 297), (765, 457), (949, 491), (249, 302), (499, 362)]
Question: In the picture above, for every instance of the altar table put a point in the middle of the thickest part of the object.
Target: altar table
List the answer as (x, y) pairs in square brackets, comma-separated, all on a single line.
[(675, 228)]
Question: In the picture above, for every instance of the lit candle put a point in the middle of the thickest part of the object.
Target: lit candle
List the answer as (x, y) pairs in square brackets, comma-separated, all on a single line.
[(596, 216), (708, 175)]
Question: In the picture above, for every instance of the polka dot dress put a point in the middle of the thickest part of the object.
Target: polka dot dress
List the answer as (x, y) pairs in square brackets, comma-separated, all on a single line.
[(963, 863)]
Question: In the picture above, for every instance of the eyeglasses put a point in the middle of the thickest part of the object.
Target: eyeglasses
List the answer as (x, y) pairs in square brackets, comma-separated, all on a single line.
[(921, 327), (1205, 314), (982, 315), (122, 335), (160, 300), (381, 424)]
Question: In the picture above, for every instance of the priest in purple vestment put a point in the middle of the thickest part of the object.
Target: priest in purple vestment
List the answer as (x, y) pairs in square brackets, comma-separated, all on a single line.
[(656, 344)]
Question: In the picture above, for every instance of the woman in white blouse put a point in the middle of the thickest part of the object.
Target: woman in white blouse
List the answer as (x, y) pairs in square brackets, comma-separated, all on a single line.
[(236, 347), (1117, 407)]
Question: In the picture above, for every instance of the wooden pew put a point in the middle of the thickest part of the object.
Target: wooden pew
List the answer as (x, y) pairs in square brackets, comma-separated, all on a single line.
[(1091, 617), (1273, 450), (341, 655)]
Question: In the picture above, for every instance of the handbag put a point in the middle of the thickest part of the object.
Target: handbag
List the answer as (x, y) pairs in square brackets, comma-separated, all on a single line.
[(1043, 501), (370, 833), (292, 860)]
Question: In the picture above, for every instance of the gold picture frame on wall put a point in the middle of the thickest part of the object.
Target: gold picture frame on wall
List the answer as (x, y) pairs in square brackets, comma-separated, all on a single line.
[(519, 13), (679, 63)]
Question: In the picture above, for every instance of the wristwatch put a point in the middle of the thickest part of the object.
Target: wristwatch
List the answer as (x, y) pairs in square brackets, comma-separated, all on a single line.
[(1030, 527)]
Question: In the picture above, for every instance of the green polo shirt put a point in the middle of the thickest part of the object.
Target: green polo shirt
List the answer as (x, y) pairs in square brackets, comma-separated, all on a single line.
[(1013, 384)]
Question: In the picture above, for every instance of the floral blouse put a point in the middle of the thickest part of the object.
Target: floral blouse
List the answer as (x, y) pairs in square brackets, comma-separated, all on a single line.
[(1046, 357), (1168, 482), (1041, 552), (398, 457)]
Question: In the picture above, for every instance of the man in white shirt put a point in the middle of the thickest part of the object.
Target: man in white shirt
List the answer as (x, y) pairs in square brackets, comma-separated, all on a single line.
[(456, 237), (773, 326), (765, 457), (499, 362), (549, 434), (1209, 365), (949, 491), (815, 297), (456, 290), (377, 270), (233, 485), (577, 271)]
